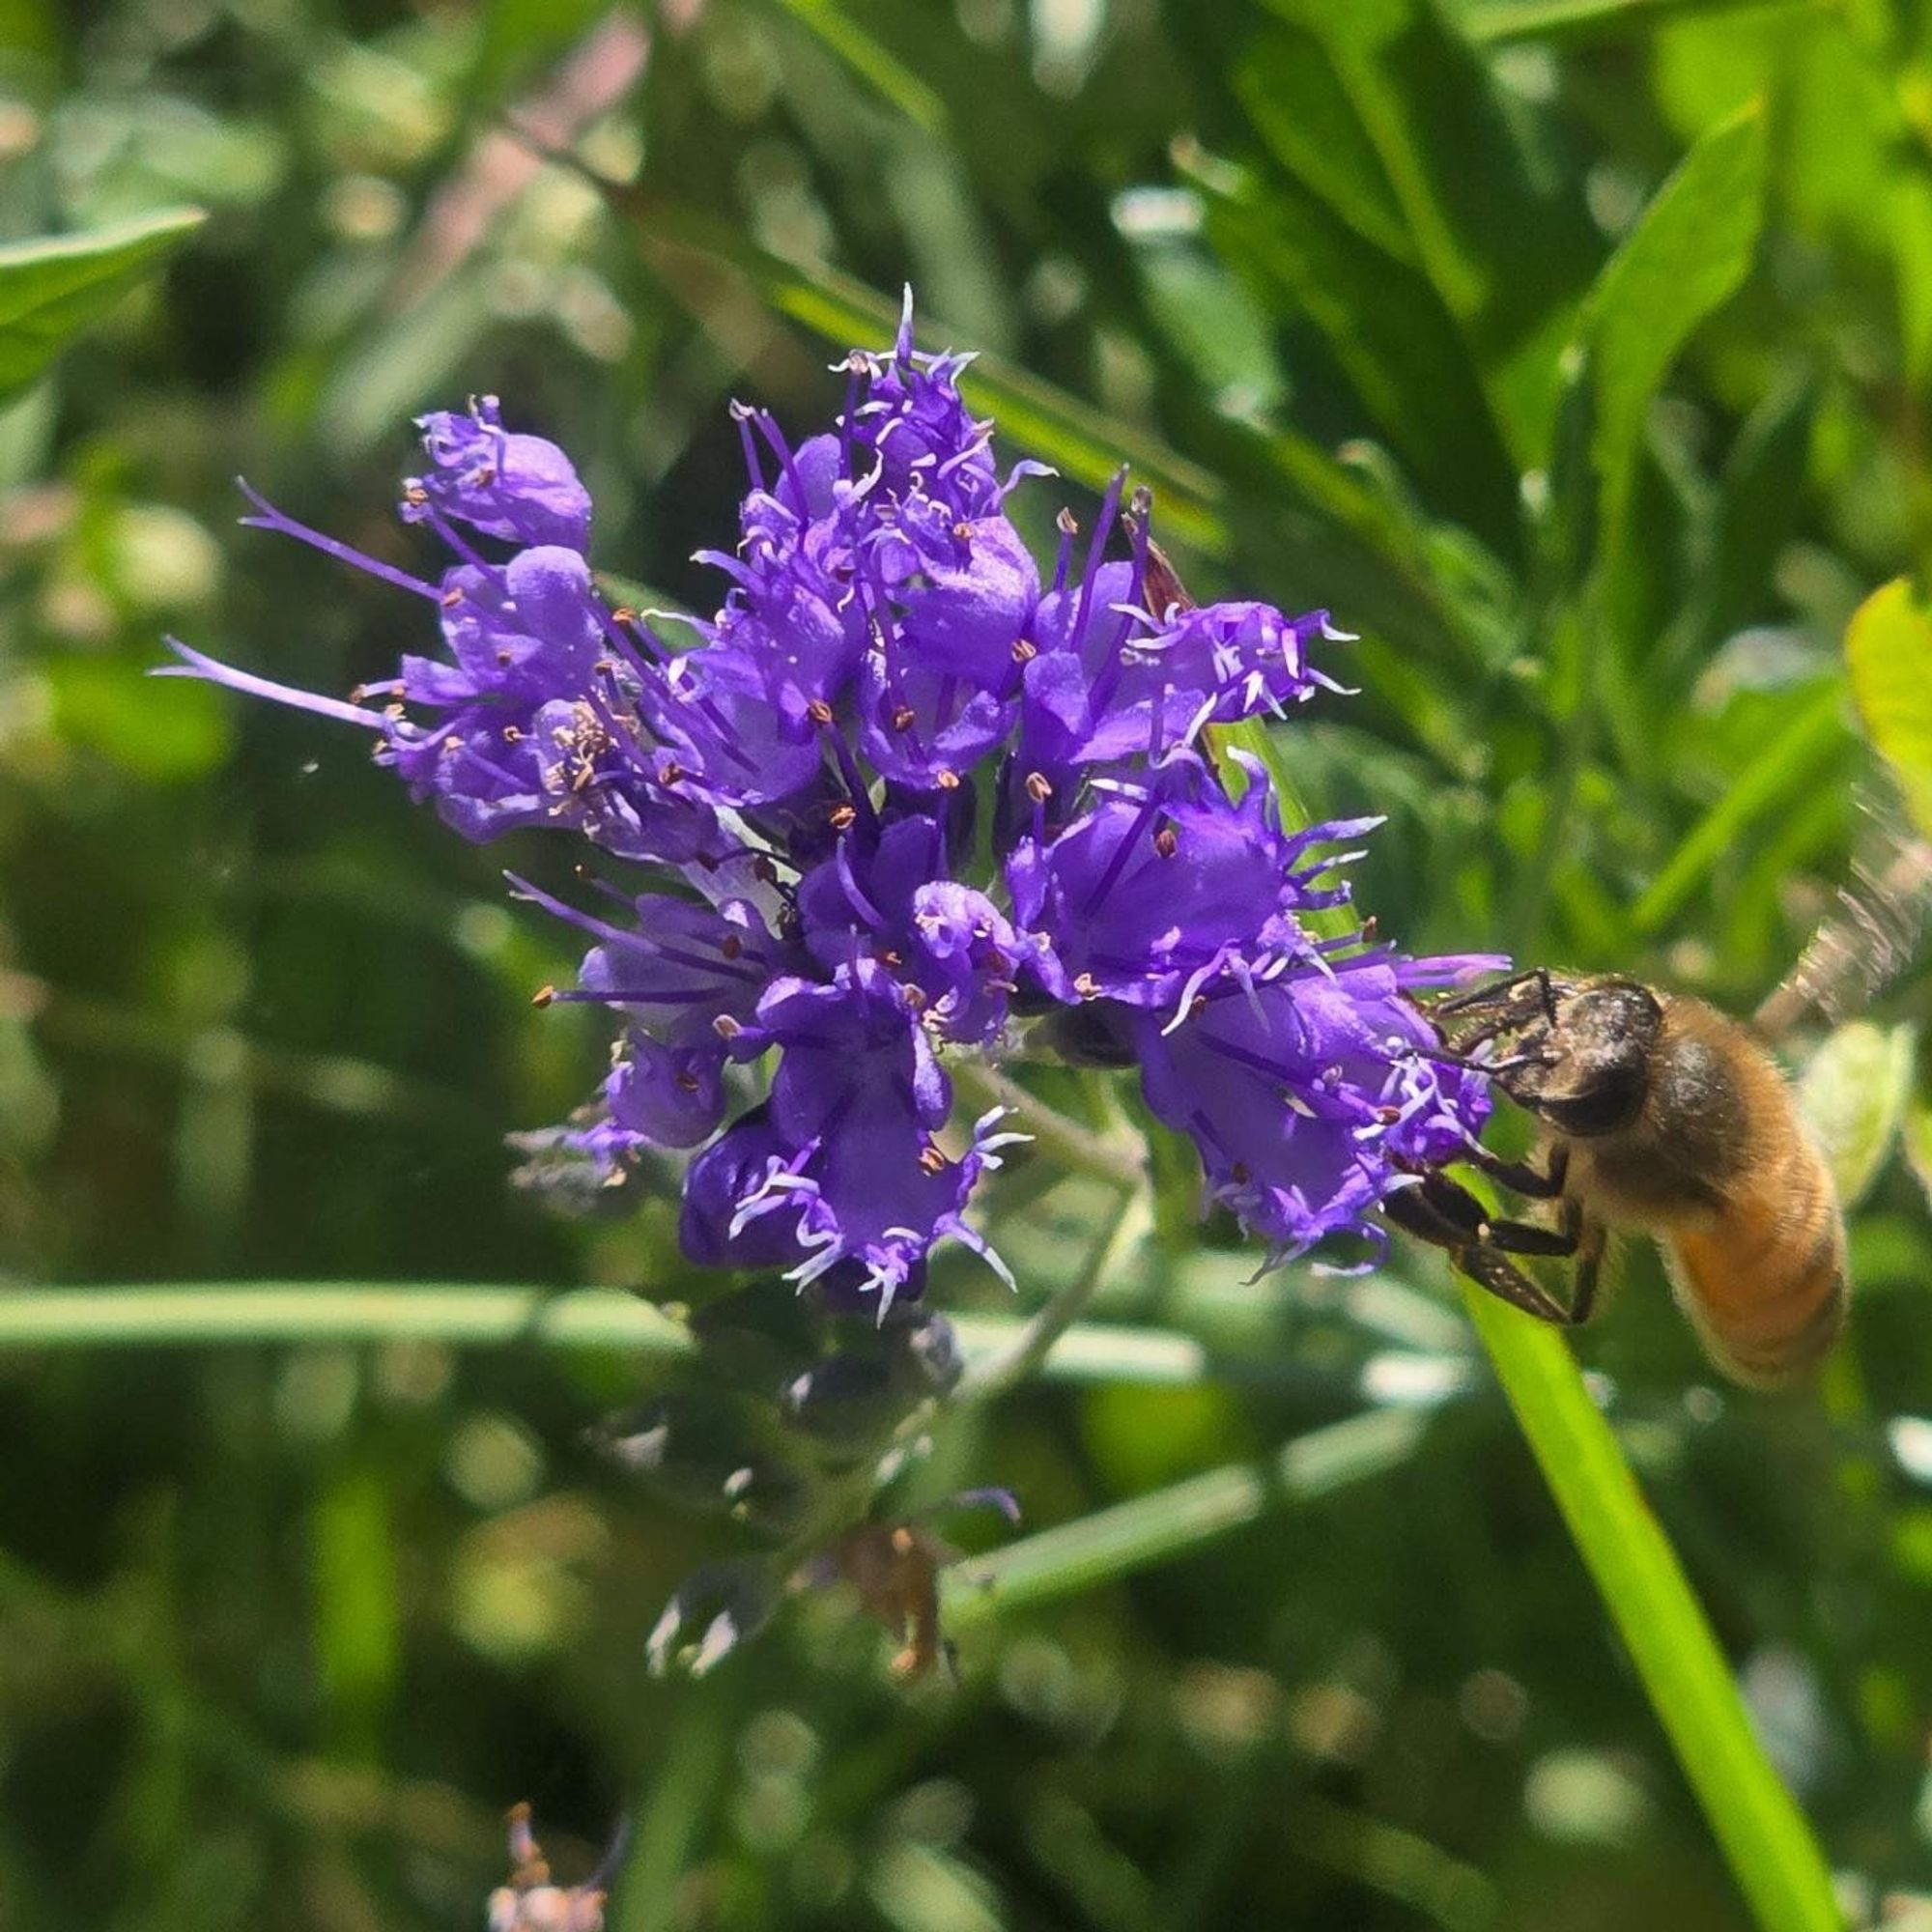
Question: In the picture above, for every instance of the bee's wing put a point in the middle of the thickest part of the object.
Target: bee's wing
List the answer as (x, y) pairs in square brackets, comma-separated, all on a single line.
[(1871, 939)]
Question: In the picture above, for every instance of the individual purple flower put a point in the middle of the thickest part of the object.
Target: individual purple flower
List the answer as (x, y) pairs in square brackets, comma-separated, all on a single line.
[(855, 1172), (907, 422), (885, 894), (1307, 1097), (1111, 680), (1153, 890), (522, 488), (689, 977)]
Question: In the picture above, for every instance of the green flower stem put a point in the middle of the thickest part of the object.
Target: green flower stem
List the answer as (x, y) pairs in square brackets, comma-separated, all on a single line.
[(999, 1369), (1117, 1158), (1763, 1833), (1177, 1520), (487, 1316)]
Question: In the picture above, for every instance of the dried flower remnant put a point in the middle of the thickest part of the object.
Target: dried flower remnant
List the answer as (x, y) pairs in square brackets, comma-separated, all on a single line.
[(895, 1568), (905, 790), (530, 1903)]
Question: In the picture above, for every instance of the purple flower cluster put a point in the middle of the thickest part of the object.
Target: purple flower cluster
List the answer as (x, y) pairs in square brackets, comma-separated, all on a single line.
[(900, 798)]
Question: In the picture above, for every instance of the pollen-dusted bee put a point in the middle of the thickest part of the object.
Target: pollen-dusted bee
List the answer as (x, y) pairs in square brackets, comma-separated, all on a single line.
[(1659, 1116)]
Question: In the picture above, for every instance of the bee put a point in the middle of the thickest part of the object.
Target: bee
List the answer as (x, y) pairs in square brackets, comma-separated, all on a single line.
[(1660, 1117)]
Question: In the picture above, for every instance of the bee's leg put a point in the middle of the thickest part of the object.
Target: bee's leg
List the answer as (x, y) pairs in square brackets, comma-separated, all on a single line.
[(1590, 1240), (1497, 993), (1492, 1270), (1577, 1238), (1525, 1177), (1448, 1216), (1527, 993)]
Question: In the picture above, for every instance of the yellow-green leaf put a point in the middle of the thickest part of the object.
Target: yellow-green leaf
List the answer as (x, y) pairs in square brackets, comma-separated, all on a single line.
[(1889, 651), (1919, 1141), (1852, 1095)]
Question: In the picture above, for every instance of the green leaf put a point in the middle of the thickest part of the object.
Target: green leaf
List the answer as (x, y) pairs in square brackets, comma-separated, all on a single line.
[(1507, 246), (161, 732), (1757, 508), (1687, 256), (1493, 22), (1212, 323), (1763, 1833), (1766, 784), (1853, 1094), (1389, 333), (51, 290), (1910, 228), (875, 64), (1918, 1137), (1889, 651), (1289, 87)]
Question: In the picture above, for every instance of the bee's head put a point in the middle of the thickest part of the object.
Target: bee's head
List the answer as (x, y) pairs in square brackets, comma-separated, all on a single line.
[(1588, 1069)]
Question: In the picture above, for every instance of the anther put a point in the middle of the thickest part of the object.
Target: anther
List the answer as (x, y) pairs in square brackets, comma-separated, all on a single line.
[(905, 717), (543, 996), (1087, 986), (452, 597), (842, 817), (416, 496), (1038, 788), (1024, 650), (505, 659), (946, 779), (931, 1159), (1167, 842), (818, 711), (891, 958), (513, 734), (1067, 524), (726, 1027), (669, 772), (731, 946)]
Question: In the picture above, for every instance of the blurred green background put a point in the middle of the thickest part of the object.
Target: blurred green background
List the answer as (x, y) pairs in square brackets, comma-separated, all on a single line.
[(283, 1630)]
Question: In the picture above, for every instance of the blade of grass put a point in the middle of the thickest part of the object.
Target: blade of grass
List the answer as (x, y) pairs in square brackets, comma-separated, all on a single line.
[(1757, 1823), (875, 64), (271, 1312), (1494, 22), (1814, 734), (1177, 1520)]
